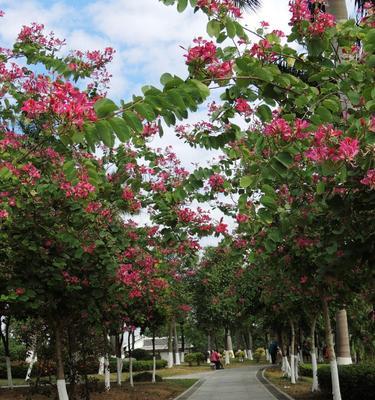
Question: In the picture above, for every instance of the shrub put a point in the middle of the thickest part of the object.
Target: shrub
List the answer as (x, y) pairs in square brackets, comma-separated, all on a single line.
[(140, 354), (141, 365), (19, 368), (306, 369), (356, 381), (195, 357), (259, 353), (146, 377)]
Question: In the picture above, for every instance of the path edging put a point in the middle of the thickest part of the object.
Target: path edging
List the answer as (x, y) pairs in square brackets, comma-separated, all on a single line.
[(280, 395), (184, 395)]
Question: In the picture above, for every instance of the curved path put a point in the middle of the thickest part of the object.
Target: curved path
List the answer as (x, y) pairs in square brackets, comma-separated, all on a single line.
[(229, 384)]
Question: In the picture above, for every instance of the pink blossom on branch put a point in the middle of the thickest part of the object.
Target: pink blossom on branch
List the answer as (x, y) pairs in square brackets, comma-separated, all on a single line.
[(369, 179)]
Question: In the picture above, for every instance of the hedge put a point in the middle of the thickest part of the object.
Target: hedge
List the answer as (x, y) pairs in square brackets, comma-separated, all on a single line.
[(306, 369), (19, 368), (356, 381)]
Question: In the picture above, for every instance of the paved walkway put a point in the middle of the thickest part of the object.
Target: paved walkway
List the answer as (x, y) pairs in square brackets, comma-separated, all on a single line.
[(230, 384)]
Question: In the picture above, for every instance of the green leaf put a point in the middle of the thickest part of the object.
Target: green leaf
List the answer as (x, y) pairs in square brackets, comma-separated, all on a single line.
[(121, 129), (104, 131), (133, 121), (146, 111), (324, 114), (246, 181), (332, 105), (181, 5), (264, 113), (214, 28), (165, 78), (320, 187), (231, 28), (269, 202), (285, 158), (103, 107), (202, 88)]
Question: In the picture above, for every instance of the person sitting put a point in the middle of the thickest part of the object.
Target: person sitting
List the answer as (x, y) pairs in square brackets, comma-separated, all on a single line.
[(215, 359)]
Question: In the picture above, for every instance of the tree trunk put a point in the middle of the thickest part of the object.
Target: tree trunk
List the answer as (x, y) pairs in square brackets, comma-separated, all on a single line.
[(170, 346), (5, 322), (338, 9), (250, 349), (118, 359), (331, 352), (153, 358), (342, 339), (107, 373), (315, 384), (182, 358), (60, 377), (176, 346), (130, 336), (227, 356), (208, 348), (292, 356)]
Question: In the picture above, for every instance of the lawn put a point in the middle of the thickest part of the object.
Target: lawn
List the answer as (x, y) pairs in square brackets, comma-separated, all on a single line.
[(166, 390), (300, 391)]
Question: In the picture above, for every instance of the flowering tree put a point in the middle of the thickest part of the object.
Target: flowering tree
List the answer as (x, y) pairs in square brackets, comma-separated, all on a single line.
[(303, 154)]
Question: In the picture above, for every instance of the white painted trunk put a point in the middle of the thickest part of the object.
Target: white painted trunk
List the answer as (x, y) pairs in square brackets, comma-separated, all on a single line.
[(9, 372), (153, 369), (107, 374), (292, 369), (315, 384), (296, 372), (182, 357), (250, 354), (286, 367), (131, 371), (61, 389), (32, 357), (227, 357), (245, 354), (177, 355), (335, 381), (170, 359), (268, 358), (119, 370), (208, 357), (101, 366)]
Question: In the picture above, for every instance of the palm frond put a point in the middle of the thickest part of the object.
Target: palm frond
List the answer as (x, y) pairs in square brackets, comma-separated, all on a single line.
[(250, 4)]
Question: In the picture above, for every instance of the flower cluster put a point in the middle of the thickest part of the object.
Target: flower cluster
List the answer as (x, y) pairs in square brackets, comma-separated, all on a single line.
[(220, 6), (319, 21), (216, 182), (327, 146), (369, 179), (63, 100)]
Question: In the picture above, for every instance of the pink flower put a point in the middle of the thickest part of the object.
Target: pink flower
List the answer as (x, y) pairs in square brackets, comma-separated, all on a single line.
[(348, 148), (303, 279), (216, 182), (241, 218), (279, 127), (20, 291), (221, 70), (4, 214), (242, 106), (369, 179), (221, 228), (127, 194), (204, 52)]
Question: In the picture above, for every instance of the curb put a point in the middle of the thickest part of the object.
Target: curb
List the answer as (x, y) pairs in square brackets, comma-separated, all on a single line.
[(186, 394), (274, 390)]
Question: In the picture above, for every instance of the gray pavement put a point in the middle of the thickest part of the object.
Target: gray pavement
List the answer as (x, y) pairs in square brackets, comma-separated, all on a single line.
[(230, 384)]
